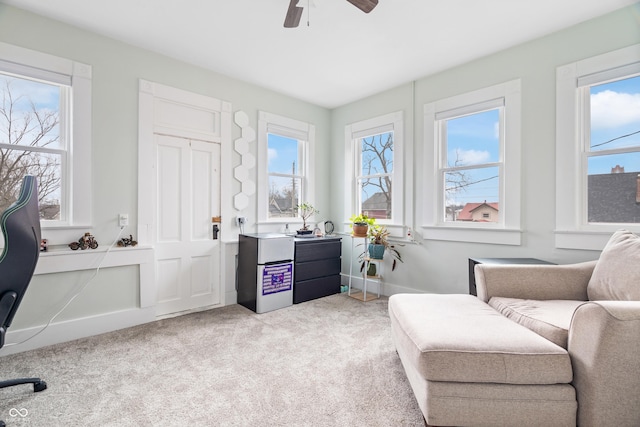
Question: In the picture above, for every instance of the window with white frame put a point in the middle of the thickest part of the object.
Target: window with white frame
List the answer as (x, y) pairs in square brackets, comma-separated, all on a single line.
[(473, 166), (375, 147), (285, 146), (33, 140), (45, 130), (471, 161), (598, 148)]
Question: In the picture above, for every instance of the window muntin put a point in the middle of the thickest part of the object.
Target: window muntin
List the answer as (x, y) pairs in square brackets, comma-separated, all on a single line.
[(374, 180), (471, 169), (286, 175), (611, 153)]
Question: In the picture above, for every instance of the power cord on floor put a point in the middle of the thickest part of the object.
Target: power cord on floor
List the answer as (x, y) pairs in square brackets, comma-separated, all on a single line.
[(74, 296)]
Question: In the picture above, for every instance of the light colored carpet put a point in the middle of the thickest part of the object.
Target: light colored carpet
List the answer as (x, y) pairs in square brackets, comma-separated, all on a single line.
[(327, 362)]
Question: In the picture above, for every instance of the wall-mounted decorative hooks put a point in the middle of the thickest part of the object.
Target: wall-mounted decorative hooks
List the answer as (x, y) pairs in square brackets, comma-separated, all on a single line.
[(241, 173)]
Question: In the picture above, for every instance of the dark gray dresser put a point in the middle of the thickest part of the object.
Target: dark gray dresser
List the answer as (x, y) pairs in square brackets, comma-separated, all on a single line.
[(317, 268)]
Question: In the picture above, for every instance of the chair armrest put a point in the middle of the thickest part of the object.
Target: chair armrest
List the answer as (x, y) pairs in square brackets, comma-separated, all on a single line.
[(604, 343), (533, 281)]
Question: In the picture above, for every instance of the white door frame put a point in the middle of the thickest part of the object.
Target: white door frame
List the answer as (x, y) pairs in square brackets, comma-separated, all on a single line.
[(151, 121)]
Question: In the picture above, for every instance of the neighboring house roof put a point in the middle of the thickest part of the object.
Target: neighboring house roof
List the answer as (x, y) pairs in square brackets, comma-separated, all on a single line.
[(612, 197), (376, 202), (377, 206), (279, 205), (466, 214)]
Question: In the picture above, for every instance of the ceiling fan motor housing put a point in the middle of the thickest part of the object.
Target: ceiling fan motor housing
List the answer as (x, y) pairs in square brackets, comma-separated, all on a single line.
[(294, 12)]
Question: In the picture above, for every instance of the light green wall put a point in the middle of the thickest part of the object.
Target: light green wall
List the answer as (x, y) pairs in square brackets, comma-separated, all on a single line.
[(432, 266), (437, 266)]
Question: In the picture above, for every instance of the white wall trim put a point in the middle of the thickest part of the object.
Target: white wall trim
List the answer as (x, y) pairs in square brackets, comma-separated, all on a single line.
[(69, 330), (59, 261), (387, 289)]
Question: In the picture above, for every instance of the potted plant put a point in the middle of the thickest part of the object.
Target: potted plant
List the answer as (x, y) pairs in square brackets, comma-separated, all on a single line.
[(306, 210), (360, 224), (379, 244)]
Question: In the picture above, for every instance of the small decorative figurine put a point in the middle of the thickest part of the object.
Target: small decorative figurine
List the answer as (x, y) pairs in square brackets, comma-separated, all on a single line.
[(43, 245), (127, 242), (86, 241)]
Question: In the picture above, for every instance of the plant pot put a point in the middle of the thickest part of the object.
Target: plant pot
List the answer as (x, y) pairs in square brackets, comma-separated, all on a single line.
[(360, 229), (372, 270), (376, 251)]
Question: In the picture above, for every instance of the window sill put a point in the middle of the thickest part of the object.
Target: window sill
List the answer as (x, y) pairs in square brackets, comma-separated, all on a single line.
[(495, 236), (59, 234)]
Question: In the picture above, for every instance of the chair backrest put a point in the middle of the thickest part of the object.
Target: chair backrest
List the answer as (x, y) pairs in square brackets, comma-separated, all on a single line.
[(20, 225)]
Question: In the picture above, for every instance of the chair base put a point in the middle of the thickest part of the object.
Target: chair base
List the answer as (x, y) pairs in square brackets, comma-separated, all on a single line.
[(38, 385)]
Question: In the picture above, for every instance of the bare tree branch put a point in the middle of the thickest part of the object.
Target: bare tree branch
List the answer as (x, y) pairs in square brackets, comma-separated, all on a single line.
[(33, 127)]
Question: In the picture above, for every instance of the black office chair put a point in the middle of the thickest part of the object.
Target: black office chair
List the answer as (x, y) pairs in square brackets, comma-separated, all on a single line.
[(20, 225)]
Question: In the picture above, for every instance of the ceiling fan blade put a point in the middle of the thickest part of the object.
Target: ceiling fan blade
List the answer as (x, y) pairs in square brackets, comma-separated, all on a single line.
[(364, 5), (294, 13)]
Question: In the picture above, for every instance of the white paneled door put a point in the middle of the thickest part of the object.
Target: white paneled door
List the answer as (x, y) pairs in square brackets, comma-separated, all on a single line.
[(187, 197)]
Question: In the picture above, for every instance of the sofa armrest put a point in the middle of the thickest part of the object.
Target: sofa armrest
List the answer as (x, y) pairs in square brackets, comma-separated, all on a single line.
[(604, 344), (533, 281)]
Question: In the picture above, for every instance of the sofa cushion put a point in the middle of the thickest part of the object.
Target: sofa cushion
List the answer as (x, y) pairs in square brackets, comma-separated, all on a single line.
[(459, 338), (617, 272), (550, 319)]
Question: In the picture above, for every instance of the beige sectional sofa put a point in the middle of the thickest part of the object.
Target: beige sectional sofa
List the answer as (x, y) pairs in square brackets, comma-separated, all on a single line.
[(544, 345)]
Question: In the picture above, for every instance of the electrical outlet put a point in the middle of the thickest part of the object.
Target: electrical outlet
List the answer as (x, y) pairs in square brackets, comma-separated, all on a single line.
[(241, 220), (123, 220)]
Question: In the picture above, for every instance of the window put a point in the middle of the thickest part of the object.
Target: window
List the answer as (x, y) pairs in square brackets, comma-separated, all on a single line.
[(598, 148), (375, 147), (473, 167), (375, 171), (45, 130), (612, 154), (285, 145), (285, 175), (32, 140), (472, 163)]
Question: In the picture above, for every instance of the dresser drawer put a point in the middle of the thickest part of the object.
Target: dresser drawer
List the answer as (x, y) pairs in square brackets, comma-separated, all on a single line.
[(315, 250), (315, 288), (313, 269)]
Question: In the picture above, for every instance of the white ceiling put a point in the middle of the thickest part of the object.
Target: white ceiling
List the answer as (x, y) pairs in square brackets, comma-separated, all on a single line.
[(342, 55)]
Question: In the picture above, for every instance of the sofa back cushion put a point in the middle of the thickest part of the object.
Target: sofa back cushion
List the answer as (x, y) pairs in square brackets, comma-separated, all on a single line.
[(617, 272)]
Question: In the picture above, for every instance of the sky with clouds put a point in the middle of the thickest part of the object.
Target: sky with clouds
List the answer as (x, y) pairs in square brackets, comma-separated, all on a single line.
[(615, 123)]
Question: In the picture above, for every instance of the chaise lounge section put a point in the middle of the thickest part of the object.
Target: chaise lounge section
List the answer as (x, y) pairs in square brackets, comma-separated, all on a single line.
[(540, 345)]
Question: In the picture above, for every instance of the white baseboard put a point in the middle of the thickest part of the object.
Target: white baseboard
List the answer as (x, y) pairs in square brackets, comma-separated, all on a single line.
[(230, 297), (69, 330), (387, 289)]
